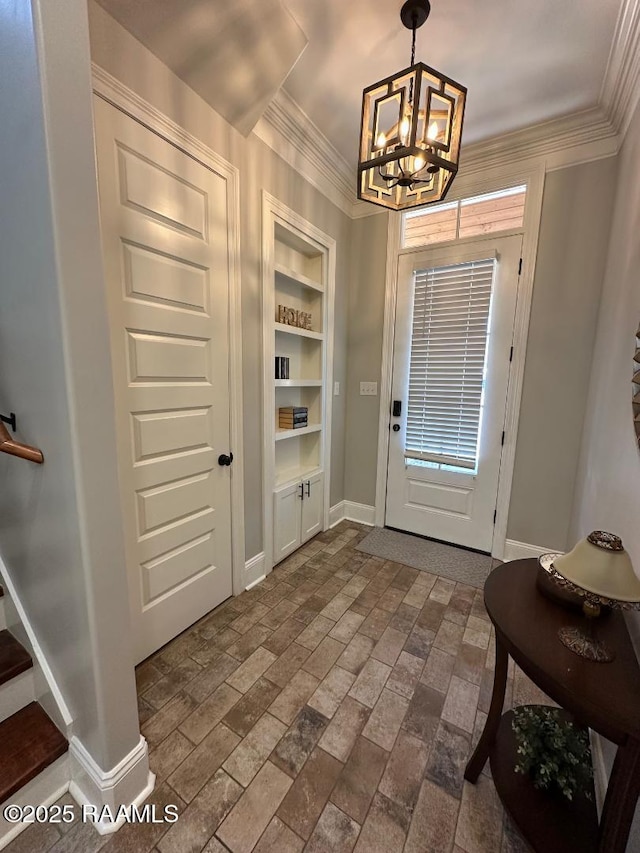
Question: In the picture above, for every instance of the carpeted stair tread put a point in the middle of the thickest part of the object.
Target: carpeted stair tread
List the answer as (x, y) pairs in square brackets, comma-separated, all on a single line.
[(29, 742), (14, 658)]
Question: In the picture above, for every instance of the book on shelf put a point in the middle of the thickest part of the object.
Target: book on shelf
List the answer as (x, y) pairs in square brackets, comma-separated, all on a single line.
[(296, 419), (293, 417), (297, 425), (282, 367)]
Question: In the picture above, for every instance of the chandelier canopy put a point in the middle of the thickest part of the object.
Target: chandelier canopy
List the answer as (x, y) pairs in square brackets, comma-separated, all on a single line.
[(410, 131)]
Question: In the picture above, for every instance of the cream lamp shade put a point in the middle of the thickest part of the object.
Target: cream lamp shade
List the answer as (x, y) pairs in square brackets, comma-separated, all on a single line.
[(600, 565)]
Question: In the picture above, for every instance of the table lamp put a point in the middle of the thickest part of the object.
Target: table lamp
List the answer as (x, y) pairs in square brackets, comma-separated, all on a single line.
[(600, 571)]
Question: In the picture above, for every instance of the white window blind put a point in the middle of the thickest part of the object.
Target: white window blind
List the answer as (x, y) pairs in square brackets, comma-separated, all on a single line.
[(448, 353)]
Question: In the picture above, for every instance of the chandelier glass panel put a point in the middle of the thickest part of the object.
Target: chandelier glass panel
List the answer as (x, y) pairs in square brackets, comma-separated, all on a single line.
[(410, 132)]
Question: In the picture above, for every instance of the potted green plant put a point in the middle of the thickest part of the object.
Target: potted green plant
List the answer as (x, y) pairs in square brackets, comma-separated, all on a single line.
[(552, 750)]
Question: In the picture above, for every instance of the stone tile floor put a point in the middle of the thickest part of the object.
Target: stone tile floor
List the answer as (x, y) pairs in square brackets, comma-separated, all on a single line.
[(330, 709)]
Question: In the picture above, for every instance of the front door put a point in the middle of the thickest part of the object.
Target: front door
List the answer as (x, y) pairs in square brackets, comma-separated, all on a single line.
[(166, 257), (452, 345)]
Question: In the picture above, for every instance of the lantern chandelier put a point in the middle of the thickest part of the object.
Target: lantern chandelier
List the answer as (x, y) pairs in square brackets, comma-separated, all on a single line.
[(410, 131)]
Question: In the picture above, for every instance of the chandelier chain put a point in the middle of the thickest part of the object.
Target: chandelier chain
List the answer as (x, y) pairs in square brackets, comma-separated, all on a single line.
[(413, 38), (413, 52)]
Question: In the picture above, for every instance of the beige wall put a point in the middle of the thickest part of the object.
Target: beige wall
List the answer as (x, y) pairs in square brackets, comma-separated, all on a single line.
[(364, 362), (60, 529), (574, 232), (260, 168), (608, 489), (572, 250)]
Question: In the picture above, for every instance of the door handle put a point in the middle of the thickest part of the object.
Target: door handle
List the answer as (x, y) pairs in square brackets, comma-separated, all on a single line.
[(308, 488), (397, 408), (225, 460), (301, 495)]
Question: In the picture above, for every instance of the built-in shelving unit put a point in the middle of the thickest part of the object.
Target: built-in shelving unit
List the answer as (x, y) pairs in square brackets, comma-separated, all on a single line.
[(298, 383), (298, 274), (302, 333), (296, 278), (297, 433)]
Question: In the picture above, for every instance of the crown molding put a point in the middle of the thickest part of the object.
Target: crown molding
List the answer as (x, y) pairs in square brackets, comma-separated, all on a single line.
[(558, 143), (621, 84), (588, 135), (289, 131)]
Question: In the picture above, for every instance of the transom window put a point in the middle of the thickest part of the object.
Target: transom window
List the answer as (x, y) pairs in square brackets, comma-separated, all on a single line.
[(470, 217)]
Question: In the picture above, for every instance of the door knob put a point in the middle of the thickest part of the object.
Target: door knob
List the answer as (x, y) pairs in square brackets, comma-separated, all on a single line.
[(223, 459), (396, 427)]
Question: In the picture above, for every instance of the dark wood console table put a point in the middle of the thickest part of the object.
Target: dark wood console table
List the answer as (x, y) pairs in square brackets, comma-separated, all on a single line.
[(603, 696)]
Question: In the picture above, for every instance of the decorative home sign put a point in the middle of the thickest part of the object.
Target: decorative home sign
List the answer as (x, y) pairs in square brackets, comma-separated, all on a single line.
[(293, 317)]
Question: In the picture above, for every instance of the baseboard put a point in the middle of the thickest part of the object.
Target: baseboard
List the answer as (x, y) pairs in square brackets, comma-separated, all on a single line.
[(362, 513), (254, 570), (129, 783), (521, 550), (336, 514), (44, 790)]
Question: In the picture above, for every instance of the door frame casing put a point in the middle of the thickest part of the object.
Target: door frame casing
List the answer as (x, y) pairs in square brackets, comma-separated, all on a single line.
[(493, 180), (124, 99)]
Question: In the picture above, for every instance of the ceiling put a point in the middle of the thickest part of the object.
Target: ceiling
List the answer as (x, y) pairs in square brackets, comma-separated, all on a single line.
[(523, 62)]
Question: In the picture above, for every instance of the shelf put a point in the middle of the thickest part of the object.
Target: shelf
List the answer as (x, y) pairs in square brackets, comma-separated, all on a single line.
[(294, 330), (549, 822), (297, 278), (293, 475), (298, 383), (281, 434)]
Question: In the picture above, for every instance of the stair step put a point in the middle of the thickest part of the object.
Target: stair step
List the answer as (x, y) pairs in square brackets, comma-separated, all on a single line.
[(29, 742), (14, 658)]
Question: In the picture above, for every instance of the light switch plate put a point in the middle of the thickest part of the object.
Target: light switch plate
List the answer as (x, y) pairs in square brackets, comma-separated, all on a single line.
[(336, 389), (368, 389)]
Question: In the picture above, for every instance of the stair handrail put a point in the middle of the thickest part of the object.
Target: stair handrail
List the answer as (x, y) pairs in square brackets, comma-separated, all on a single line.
[(17, 448)]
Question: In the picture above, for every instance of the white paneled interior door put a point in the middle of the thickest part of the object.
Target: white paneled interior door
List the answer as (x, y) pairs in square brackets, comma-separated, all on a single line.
[(165, 240), (452, 343)]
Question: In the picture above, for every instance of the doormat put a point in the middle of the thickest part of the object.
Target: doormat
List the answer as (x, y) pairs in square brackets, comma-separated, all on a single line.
[(428, 556)]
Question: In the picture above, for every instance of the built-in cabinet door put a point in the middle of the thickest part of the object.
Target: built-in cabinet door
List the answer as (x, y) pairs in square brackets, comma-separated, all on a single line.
[(311, 507), (286, 520)]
